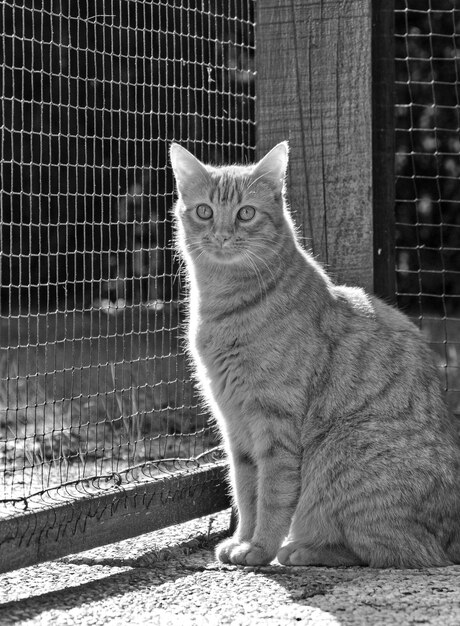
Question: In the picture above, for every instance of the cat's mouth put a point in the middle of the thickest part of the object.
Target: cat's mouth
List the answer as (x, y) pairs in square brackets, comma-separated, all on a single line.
[(224, 254)]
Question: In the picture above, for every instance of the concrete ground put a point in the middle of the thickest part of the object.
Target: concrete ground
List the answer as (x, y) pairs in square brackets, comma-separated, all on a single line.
[(170, 577)]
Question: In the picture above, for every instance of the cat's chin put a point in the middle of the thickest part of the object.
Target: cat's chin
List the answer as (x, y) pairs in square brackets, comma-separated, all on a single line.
[(224, 257)]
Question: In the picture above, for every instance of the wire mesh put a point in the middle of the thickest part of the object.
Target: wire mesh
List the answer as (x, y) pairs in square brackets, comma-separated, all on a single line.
[(93, 378), (427, 175)]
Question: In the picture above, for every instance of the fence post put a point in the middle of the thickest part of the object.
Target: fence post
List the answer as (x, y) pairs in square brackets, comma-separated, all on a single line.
[(325, 82)]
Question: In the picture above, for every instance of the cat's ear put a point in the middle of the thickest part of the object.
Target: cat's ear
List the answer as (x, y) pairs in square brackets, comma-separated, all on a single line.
[(273, 166), (188, 170)]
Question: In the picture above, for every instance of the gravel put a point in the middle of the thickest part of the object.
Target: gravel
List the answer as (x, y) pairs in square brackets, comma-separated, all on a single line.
[(170, 577)]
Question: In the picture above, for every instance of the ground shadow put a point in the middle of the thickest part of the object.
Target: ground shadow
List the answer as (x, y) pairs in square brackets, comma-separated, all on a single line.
[(336, 595), (148, 570)]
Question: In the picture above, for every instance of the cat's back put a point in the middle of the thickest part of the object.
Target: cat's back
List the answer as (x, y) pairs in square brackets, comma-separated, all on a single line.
[(386, 362), (371, 313), (360, 319)]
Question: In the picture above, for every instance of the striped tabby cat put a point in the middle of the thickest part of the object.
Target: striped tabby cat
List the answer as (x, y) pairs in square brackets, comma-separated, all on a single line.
[(328, 399)]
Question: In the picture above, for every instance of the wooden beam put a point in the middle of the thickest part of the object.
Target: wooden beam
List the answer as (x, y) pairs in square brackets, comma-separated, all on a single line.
[(77, 525), (314, 87)]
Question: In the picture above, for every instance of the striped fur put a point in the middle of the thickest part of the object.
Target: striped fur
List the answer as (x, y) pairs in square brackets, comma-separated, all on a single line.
[(328, 400)]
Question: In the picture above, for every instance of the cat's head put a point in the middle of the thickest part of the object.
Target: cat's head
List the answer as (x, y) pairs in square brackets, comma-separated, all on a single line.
[(230, 215)]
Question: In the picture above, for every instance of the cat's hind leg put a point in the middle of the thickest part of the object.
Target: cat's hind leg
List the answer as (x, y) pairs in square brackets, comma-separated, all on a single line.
[(392, 549), (299, 553), (453, 551), (402, 547)]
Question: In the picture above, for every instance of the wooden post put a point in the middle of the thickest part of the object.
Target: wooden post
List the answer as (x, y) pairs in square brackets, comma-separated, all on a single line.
[(322, 85), (383, 148)]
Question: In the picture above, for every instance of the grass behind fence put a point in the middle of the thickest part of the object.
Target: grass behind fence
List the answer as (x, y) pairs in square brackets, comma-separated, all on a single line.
[(86, 393)]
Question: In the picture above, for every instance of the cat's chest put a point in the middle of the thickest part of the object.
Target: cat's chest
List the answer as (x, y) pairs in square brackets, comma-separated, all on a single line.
[(225, 348), (231, 358)]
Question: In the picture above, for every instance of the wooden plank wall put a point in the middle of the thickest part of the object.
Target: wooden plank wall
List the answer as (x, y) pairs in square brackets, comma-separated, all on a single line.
[(316, 88)]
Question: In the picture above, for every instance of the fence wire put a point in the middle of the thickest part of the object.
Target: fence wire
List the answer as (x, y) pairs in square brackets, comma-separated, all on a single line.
[(93, 378), (427, 175)]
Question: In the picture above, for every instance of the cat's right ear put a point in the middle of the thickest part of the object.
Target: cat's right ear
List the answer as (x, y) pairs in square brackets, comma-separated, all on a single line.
[(188, 170)]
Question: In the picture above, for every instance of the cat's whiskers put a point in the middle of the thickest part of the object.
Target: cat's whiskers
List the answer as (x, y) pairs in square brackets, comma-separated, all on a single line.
[(271, 240), (264, 262), (201, 253), (262, 289), (263, 248), (192, 246)]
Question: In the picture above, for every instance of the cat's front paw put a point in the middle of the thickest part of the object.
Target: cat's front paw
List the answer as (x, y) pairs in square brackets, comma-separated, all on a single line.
[(242, 553)]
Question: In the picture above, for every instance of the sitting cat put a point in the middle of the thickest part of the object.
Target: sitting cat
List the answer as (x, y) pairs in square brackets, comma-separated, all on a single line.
[(328, 400)]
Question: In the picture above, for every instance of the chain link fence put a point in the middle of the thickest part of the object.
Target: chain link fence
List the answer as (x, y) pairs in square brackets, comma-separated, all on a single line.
[(427, 176)]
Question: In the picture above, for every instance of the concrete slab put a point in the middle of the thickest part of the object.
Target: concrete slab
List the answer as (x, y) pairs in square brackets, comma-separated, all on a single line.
[(171, 577)]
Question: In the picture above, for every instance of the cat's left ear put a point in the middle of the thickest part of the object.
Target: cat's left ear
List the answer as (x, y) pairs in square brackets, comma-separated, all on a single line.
[(273, 166), (188, 170)]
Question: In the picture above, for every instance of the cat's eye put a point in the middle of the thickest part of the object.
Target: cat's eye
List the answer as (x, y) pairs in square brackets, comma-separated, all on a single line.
[(204, 211), (246, 213)]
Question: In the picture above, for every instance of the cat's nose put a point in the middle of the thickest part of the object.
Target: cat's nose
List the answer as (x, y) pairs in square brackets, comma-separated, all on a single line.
[(222, 239)]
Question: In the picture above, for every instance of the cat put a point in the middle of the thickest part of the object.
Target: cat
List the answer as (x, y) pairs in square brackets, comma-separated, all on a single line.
[(340, 446)]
